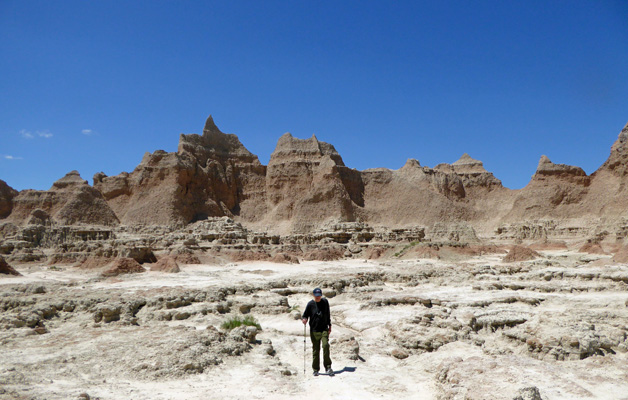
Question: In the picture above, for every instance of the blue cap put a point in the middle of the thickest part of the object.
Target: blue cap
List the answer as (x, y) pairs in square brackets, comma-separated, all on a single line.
[(317, 292)]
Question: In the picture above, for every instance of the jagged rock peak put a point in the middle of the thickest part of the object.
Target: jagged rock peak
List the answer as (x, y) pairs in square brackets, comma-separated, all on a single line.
[(72, 178), (466, 164), (466, 159), (547, 167), (215, 145), (289, 147), (210, 126), (411, 167), (623, 135), (544, 160), (412, 163), (618, 160)]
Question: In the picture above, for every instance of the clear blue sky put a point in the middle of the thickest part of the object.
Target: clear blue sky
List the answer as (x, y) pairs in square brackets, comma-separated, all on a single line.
[(92, 85)]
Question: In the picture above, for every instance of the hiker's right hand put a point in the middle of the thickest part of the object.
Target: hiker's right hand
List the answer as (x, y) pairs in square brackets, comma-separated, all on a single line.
[(304, 320)]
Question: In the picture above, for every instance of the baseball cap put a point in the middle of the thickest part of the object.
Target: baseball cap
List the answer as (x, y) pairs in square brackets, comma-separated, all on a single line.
[(317, 292)]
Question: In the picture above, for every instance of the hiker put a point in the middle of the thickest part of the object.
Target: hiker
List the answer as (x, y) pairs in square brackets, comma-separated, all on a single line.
[(317, 311)]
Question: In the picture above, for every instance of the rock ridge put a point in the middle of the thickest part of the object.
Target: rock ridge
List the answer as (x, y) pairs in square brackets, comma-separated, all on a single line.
[(307, 185)]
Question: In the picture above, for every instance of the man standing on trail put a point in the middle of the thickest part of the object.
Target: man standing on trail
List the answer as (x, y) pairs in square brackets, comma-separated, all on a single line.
[(317, 311)]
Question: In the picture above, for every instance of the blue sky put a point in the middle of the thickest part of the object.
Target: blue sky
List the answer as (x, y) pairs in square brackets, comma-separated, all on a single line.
[(93, 85)]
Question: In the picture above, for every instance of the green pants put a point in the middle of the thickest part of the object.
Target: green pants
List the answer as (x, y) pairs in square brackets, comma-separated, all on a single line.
[(317, 338)]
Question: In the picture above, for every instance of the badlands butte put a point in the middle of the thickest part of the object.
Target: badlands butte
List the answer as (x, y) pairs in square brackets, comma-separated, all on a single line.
[(443, 283)]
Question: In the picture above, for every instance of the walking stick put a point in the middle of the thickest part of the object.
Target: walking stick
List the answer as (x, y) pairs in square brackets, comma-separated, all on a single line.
[(303, 349)]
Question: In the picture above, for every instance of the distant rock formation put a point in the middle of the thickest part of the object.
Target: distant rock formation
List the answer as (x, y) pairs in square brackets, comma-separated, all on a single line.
[(471, 173), (547, 169), (555, 190), (7, 193), (166, 264), (122, 266), (617, 162), (307, 183), (210, 175), (608, 190), (70, 201), (307, 186), (520, 253)]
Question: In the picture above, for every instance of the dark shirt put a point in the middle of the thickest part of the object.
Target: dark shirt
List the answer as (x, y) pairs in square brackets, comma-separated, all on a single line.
[(319, 315)]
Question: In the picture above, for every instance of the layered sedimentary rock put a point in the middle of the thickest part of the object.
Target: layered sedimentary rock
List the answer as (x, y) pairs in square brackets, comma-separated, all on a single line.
[(555, 190), (471, 173), (70, 201), (306, 186), (462, 191), (235, 176), (617, 162), (210, 175), (7, 193), (307, 183), (608, 190)]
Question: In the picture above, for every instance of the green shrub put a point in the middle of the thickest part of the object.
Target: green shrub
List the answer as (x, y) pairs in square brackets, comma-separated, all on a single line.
[(236, 321), (406, 248)]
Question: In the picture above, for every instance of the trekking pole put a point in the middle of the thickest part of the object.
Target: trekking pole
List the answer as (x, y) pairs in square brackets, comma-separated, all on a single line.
[(304, 350)]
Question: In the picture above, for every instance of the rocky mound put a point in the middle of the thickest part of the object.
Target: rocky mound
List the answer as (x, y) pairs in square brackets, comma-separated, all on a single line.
[(283, 258), (123, 266), (6, 269), (591, 248), (520, 253), (70, 201), (622, 255), (166, 264)]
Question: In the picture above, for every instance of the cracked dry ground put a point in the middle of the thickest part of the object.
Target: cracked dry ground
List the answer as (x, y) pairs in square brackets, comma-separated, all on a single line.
[(476, 329)]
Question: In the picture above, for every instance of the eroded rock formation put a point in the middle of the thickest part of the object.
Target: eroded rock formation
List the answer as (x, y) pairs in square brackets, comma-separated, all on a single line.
[(307, 183), (306, 189), (7, 193), (70, 201), (210, 175)]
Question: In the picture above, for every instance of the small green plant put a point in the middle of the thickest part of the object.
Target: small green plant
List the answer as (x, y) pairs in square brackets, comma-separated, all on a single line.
[(406, 247), (236, 321), (295, 308)]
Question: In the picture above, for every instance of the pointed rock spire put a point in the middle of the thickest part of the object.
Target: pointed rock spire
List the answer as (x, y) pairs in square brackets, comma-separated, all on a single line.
[(210, 126), (618, 160), (412, 163), (215, 145), (466, 159), (72, 178), (544, 161), (466, 164), (547, 167)]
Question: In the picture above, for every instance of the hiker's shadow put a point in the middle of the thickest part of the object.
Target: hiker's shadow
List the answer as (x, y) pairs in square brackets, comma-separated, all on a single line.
[(345, 369)]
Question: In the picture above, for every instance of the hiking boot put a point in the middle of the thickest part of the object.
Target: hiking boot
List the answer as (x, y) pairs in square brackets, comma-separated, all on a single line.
[(315, 373), (330, 371)]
